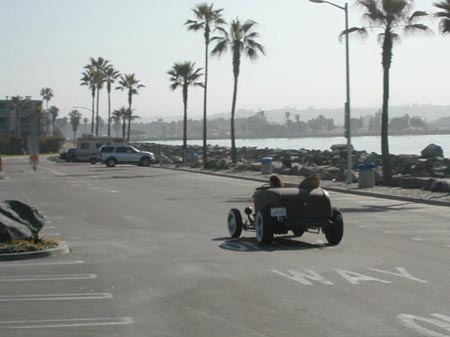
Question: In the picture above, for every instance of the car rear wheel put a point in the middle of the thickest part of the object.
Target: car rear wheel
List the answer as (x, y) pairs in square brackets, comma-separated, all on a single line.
[(335, 230), (263, 226), (93, 161), (234, 223), (111, 162), (145, 161)]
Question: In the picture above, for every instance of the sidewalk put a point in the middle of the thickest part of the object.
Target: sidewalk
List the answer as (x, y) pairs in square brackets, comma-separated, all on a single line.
[(394, 193)]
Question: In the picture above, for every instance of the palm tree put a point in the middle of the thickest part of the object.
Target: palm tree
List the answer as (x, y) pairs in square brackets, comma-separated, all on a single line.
[(120, 116), (389, 16), (85, 122), (38, 115), (88, 79), (47, 95), (18, 104), (117, 116), (131, 84), (75, 117), (444, 15), (110, 77), (206, 19), (53, 111), (184, 75), (99, 64), (241, 40)]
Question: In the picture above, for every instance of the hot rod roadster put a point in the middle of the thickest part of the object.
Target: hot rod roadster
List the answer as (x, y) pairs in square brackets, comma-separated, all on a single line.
[(280, 210)]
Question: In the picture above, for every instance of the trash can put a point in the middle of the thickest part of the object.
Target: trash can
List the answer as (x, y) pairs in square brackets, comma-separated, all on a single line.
[(266, 165), (366, 175)]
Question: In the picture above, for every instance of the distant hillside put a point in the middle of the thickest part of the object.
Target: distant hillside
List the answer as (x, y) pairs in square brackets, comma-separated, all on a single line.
[(443, 122), (429, 113)]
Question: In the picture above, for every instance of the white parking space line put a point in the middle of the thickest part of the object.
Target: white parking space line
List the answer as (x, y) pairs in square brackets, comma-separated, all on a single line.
[(55, 297), (65, 323), (40, 264), (436, 239), (423, 231), (48, 277)]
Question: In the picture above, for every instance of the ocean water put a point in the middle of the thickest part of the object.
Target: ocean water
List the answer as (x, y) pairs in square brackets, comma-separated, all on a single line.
[(410, 144)]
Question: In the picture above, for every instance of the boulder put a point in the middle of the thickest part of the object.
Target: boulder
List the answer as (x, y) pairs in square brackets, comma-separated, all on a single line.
[(432, 151), (11, 229), (440, 186), (29, 216), (409, 182)]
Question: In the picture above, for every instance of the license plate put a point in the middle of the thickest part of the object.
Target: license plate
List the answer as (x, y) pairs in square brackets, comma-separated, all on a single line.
[(278, 211)]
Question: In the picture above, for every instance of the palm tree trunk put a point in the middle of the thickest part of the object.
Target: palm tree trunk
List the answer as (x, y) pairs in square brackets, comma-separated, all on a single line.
[(124, 125), (384, 130), (385, 158), (109, 112), (129, 122), (233, 109), (18, 123), (205, 95), (98, 105), (93, 109), (185, 123)]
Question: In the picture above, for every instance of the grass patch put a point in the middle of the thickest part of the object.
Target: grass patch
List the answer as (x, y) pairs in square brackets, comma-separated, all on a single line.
[(29, 245)]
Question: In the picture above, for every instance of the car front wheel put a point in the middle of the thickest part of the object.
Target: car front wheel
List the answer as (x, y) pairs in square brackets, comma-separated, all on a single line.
[(145, 161), (234, 223), (263, 226), (111, 162)]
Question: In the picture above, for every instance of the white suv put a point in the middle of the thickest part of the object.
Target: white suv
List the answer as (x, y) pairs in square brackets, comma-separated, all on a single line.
[(111, 155)]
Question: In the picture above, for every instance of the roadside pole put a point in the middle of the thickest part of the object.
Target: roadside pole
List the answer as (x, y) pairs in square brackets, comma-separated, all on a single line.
[(33, 145)]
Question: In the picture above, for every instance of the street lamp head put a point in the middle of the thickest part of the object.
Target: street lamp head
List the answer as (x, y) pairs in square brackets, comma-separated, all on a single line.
[(316, 1)]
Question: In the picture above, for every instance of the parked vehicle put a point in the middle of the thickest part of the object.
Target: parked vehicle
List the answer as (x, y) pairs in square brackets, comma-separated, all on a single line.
[(111, 155), (296, 209), (87, 149)]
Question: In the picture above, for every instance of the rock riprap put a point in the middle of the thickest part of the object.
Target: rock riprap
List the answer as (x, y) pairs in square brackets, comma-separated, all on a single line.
[(19, 221)]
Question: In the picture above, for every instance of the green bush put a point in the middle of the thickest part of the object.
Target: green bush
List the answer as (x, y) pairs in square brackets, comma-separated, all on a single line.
[(10, 145), (50, 144), (13, 145)]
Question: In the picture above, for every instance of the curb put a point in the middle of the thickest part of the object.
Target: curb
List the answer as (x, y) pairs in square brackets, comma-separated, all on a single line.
[(62, 249), (333, 189)]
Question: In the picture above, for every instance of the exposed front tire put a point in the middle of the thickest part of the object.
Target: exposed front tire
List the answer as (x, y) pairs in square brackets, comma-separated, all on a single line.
[(263, 226), (93, 161), (111, 162), (145, 161), (335, 230), (234, 223)]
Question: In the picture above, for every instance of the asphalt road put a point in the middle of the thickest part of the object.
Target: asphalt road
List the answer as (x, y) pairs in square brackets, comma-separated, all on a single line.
[(151, 257)]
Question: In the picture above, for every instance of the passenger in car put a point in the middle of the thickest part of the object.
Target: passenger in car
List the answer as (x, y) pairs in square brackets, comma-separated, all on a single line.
[(275, 181), (312, 181)]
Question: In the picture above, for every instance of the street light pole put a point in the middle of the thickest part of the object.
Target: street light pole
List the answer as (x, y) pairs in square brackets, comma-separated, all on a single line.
[(349, 176)]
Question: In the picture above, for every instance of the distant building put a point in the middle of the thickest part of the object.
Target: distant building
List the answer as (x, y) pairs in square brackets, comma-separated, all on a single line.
[(11, 120)]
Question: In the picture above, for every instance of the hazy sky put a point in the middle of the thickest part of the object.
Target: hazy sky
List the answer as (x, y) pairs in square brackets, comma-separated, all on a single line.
[(46, 43)]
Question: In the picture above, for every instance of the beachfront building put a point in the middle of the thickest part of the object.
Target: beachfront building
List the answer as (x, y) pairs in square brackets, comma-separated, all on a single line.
[(16, 122)]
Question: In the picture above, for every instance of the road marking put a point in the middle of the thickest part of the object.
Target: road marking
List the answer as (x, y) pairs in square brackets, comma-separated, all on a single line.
[(112, 191), (40, 264), (438, 321), (65, 323), (52, 234), (304, 278), (433, 238), (55, 297), (356, 278), (432, 231), (401, 273), (48, 277)]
